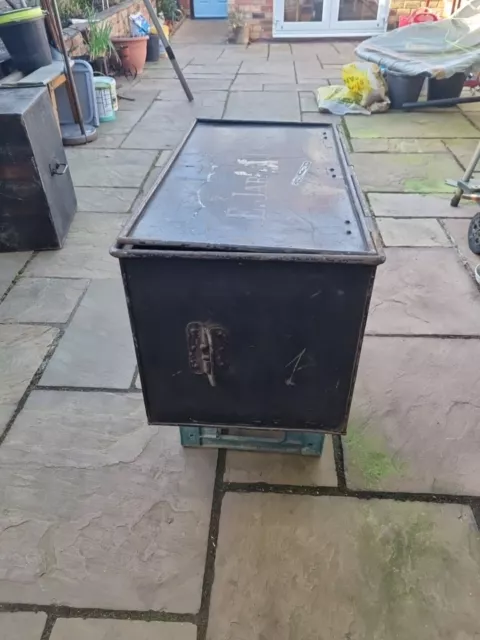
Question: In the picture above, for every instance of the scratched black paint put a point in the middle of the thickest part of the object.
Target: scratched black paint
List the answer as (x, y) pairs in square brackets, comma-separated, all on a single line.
[(259, 335)]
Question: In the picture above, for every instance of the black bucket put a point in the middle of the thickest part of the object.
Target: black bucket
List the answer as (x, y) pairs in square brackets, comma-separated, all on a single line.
[(26, 42), (446, 88), (403, 89), (153, 47)]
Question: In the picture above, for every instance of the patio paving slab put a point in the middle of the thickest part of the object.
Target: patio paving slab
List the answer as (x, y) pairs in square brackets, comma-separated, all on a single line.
[(315, 72), (282, 69), (97, 348), (424, 291), (213, 69), (411, 125), (413, 205), (308, 102), (10, 265), (105, 199), (155, 71), (206, 100), (195, 84), (108, 141), (109, 167), (75, 629), (419, 232), (42, 300), (397, 145), (125, 119), (407, 172), (85, 253), (22, 626), (278, 106), (175, 117), (474, 117), (275, 468), (341, 568), (304, 86), (415, 415), (325, 52), (110, 512), (162, 138), (250, 83), (207, 78), (135, 100), (22, 350), (320, 117), (463, 151), (458, 230)]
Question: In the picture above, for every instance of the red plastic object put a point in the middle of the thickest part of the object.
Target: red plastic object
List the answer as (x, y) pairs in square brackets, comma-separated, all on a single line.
[(472, 82), (424, 14)]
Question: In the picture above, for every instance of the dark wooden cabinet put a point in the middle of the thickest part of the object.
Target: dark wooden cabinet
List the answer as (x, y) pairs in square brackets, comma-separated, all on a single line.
[(37, 198)]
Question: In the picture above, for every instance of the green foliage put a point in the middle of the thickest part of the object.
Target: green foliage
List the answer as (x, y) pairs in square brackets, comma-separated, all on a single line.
[(171, 11), (98, 37), (69, 9)]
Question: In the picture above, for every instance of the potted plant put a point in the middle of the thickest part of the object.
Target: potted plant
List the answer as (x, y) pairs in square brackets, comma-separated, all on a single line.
[(99, 43), (170, 11), (239, 29)]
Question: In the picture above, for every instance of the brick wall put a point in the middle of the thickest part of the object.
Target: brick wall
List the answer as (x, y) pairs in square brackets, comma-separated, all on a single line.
[(400, 8), (259, 13), (117, 16)]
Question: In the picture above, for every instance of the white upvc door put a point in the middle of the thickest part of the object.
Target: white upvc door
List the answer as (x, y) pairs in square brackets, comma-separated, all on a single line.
[(329, 18), (299, 18)]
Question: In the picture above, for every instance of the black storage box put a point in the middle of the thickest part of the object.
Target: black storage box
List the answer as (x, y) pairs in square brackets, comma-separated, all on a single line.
[(248, 272), (37, 198)]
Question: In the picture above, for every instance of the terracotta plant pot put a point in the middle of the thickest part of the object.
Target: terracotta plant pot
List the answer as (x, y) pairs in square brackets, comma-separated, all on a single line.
[(132, 52)]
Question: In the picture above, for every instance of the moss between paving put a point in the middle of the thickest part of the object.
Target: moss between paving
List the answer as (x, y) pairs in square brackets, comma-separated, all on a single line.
[(324, 568)]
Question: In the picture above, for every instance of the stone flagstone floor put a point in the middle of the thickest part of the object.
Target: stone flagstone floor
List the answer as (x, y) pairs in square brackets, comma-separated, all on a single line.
[(108, 529)]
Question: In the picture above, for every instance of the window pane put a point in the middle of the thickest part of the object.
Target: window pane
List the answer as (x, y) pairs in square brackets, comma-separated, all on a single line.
[(358, 10), (303, 10)]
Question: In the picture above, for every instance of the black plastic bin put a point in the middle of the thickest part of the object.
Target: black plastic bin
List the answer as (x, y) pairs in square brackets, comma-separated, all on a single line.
[(26, 42), (153, 47), (403, 89), (446, 88)]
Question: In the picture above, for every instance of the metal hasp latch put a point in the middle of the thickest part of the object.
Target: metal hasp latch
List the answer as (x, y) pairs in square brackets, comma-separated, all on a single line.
[(206, 349), (58, 168)]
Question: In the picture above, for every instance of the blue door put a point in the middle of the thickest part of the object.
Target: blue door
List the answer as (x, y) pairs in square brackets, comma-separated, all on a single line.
[(210, 8)]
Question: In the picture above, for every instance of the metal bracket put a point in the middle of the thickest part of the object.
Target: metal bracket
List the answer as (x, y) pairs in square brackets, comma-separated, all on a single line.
[(206, 349), (58, 168)]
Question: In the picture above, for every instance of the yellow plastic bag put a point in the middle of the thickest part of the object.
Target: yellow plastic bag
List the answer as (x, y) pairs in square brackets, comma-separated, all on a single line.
[(365, 81), (365, 91)]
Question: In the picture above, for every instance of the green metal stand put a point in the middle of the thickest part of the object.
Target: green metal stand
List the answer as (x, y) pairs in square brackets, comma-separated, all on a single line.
[(305, 444)]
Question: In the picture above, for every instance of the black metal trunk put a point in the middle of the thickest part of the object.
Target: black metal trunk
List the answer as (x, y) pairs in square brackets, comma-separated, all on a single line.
[(37, 198), (248, 274)]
